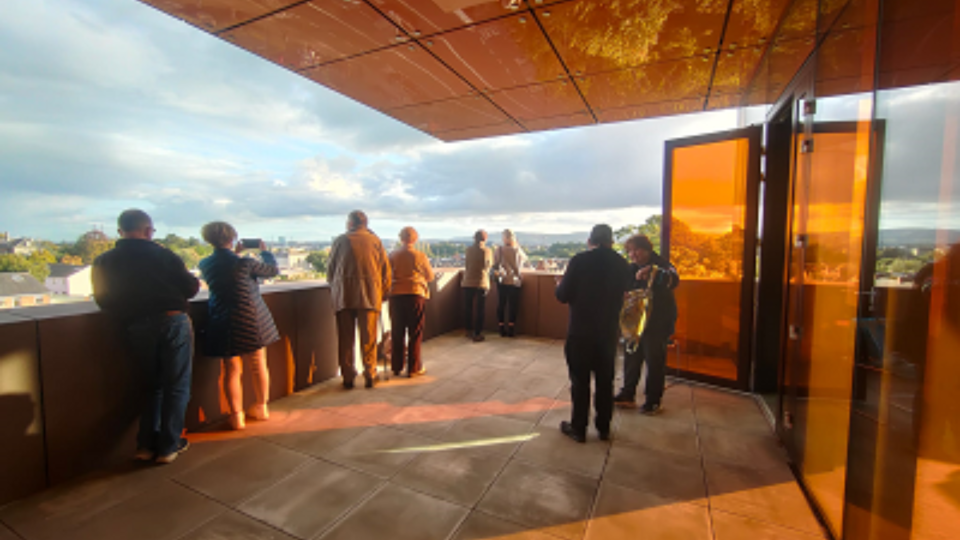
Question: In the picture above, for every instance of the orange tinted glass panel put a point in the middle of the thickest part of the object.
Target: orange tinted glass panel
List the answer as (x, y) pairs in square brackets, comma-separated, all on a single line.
[(708, 204)]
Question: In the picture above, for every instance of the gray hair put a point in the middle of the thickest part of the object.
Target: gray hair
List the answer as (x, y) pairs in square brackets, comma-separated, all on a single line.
[(219, 234), (408, 235), (357, 220), (133, 220)]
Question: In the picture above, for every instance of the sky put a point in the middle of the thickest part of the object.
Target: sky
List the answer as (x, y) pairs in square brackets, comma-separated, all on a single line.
[(110, 104)]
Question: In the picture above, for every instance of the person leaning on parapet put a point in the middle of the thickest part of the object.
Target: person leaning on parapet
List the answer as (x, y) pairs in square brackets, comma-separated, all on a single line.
[(593, 286), (146, 288), (663, 318), (475, 284), (412, 275), (507, 263), (239, 325), (359, 274)]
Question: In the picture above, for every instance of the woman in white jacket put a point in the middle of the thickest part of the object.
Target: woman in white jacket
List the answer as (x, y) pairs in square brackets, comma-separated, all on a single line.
[(508, 262)]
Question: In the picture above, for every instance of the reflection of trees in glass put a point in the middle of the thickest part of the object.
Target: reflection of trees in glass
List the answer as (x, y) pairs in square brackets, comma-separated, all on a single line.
[(705, 255)]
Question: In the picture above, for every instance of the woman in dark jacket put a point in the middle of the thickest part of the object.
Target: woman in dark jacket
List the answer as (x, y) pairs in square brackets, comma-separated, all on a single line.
[(239, 325)]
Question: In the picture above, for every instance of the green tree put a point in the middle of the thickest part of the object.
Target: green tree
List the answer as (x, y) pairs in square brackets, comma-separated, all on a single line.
[(650, 228), (89, 246), (318, 260), (37, 264)]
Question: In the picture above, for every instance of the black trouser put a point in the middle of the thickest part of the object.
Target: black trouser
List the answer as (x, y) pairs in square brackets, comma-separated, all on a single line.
[(586, 356), (474, 324), (508, 303), (406, 318), (652, 350)]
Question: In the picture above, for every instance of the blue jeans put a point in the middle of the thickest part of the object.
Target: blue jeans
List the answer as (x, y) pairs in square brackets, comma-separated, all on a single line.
[(163, 346)]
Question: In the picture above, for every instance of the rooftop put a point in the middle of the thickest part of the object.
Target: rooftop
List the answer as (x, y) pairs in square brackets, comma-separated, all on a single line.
[(469, 451)]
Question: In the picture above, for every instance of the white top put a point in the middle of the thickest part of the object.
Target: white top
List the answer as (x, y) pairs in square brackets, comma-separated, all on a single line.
[(508, 262)]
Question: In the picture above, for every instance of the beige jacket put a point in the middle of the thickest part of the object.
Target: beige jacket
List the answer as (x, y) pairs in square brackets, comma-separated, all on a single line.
[(509, 261), (479, 262), (358, 271), (412, 272)]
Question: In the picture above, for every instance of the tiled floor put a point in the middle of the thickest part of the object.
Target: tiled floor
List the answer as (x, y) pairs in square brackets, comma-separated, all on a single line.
[(471, 451)]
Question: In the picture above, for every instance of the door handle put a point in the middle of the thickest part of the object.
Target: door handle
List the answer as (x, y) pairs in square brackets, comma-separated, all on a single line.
[(794, 332)]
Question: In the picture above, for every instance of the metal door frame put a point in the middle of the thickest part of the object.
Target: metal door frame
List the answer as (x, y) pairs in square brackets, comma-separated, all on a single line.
[(754, 134)]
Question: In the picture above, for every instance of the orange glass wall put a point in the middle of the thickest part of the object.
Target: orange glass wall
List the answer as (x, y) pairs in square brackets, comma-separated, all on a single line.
[(708, 204)]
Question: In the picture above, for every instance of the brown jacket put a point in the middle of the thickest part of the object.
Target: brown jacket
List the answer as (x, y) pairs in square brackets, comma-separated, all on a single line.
[(358, 271), (479, 261), (412, 273)]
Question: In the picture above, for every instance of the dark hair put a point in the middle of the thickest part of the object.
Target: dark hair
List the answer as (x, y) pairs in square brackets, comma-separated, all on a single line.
[(357, 219), (601, 235), (480, 236), (133, 220), (639, 241)]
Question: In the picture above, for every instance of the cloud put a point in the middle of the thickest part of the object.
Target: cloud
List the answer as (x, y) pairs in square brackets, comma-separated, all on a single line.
[(124, 106)]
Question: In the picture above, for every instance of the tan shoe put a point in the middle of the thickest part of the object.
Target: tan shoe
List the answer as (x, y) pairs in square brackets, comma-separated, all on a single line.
[(258, 412), (237, 421)]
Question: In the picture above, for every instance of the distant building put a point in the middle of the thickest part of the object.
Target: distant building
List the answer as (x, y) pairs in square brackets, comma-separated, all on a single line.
[(17, 246), (70, 280), (20, 289), (292, 262)]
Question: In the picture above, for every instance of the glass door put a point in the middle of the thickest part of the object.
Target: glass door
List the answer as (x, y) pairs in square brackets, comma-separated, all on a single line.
[(709, 233)]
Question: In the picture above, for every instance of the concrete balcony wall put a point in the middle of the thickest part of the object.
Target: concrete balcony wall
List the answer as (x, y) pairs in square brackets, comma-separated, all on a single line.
[(69, 396), (540, 313)]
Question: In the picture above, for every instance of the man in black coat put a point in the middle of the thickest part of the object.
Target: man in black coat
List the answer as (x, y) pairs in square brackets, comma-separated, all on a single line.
[(146, 288), (593, 286)]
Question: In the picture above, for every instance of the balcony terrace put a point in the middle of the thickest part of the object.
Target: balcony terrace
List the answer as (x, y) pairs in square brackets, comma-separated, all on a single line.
[(469, 451)]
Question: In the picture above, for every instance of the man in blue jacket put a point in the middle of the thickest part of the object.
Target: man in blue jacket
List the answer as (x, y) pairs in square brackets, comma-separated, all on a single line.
[(593, 286), (146, 288), (661, 325)]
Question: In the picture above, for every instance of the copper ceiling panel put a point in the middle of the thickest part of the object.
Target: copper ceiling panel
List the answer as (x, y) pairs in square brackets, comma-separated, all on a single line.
[(840, 62), (651, 110), (215, 15), (450, 115), (752, 23), (558, 122), (917, 50), (500, 54), (539, 101), (735, 69), (669, 81), (390, 78), (594, 36), (496, 130), (315, 32), (425, 17), (723, 101)]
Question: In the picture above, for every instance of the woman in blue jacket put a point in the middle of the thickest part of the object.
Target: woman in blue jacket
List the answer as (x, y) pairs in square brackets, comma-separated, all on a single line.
[(239, 324)]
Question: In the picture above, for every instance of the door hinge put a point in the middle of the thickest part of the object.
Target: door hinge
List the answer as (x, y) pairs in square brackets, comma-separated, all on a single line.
[(806, 147), (810, 107)]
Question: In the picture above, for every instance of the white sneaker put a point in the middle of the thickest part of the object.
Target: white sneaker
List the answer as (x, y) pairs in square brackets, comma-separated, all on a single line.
[(144, 454), (170, 458), (259, 412), (237, 421)]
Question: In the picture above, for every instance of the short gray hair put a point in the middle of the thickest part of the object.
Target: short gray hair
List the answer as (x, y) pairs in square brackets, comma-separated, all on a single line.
[(357, 220), (219, 233), (133, 220), (408, 235)]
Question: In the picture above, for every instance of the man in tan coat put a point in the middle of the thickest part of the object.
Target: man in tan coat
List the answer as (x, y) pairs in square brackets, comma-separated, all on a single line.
[(359, 276), (476, 283)]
